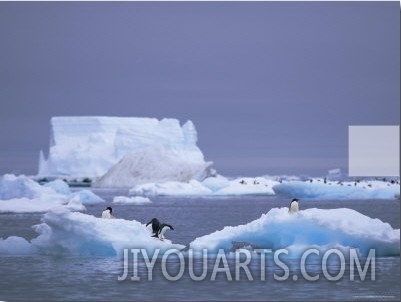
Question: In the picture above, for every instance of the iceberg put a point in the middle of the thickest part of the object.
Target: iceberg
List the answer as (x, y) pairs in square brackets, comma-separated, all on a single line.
[(153, 165), (171, 188), (12, 186), (59, 186), (87, 197), (338, 190), (66, 233), (35, 205), (139, 200), (319, 228), (91, 146), (251, 186), (211, 186), (20, 194)]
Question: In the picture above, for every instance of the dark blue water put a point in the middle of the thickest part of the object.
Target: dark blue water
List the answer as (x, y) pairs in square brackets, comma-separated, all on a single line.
[(77, 278)]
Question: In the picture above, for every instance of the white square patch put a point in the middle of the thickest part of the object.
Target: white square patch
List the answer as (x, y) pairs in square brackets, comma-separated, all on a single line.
[(374, 150)]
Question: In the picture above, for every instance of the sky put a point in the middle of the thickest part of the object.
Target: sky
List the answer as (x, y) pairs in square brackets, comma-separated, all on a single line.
[(270, 86)]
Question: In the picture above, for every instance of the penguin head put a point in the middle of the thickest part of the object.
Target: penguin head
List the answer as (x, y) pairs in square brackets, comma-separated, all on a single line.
[(110, 209), (154, 220), (294, 199)]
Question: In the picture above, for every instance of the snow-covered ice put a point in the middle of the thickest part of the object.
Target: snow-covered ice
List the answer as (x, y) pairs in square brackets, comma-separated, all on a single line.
[(12, 186), (89, 146), (87, 197), (211, 186), (241, 186), (171, 188), (252, 186), (157, 165), (338, 190), (59, 186), (139, 200), (66, 233), (21, 194), (324, 229), (63, 232)]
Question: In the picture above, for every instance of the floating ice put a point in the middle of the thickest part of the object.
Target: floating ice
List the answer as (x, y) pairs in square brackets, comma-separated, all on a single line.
[(131, 200), (243, 186), (35, 205), (171, 188), (91, 145), (65, 233), (71, 233), (12, 186), (338, 190), (20, 194), (59, 186), (87, 197), (334, 228), (211, 186)]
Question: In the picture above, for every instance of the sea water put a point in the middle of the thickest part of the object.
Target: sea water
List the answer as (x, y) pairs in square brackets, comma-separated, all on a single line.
[(40, 277)]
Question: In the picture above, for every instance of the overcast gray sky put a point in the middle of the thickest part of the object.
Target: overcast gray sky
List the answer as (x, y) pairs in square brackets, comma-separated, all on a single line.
[(270, 86)]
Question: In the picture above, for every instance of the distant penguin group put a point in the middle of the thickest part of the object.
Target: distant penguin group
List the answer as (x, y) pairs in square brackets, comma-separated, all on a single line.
[(294, 207), (159, 229)]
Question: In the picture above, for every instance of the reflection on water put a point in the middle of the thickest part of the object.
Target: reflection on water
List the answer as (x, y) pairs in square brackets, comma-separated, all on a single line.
[(39, 278), (75, 278)]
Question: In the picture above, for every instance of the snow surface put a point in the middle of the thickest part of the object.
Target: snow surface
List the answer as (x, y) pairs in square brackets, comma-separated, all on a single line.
[(211, 186), (171, 188), (20, 194), (156, 164), (87, 197), (325, 229), (59, 186), (12, 186), (131, 200), (88, 146), (338, 190), (66, 233), (253, 186)]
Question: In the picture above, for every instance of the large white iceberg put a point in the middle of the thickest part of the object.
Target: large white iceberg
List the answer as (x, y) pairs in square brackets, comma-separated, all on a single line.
[(89, 146), (325, 229)]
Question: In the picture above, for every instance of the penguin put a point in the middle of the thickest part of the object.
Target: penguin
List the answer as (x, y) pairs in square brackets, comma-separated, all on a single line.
[(155, 226), (162, 230), (107, 213), (294, 207)]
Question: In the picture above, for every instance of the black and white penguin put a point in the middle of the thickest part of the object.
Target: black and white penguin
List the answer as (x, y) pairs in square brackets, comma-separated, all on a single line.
[(107, 213), (155, 226), (162, 230), (294, 207)]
